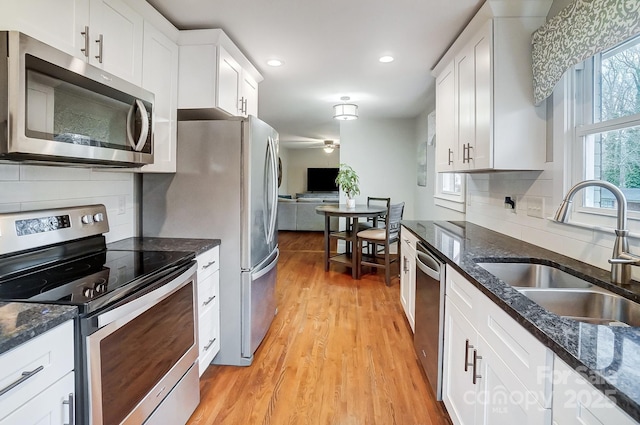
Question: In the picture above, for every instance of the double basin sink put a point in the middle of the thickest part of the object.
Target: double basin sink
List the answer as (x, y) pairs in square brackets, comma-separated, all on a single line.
[(567, 295)]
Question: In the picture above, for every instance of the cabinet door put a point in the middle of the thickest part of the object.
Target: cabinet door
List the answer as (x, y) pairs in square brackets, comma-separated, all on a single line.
[(249, 96), (577, 402), (52, 406), (481, 154), (229, 78), (446, 148), (121, 28), (404, 283), (160, 76), (501, 398), (458, 391), (465, 69), (57, 23)]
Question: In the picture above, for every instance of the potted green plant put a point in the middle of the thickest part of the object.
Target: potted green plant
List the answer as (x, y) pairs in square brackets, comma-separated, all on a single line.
[(347, 180)]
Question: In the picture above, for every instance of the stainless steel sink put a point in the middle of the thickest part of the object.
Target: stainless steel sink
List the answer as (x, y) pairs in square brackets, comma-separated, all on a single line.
[(567, 295), (595, 305), (534, 275)]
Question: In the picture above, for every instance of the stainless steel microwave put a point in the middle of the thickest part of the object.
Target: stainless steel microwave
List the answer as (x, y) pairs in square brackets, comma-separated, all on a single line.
[(57, 108)]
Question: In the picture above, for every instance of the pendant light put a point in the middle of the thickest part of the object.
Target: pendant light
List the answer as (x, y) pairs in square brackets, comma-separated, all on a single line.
[(345, 111)]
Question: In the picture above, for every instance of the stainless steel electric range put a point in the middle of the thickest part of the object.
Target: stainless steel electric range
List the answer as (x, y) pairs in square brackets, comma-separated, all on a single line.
[(136, 338)]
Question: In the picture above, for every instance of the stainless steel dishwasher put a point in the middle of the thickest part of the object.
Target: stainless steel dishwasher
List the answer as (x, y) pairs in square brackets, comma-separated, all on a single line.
[(429, 315)]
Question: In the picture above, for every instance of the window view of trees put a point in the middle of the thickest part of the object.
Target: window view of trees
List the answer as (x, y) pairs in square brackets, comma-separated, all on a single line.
[(615, 155)]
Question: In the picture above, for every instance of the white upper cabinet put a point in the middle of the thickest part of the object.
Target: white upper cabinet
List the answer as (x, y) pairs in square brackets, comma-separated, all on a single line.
[(105, 33), (57, 23), (215, 76), (116, 38), (486, 118), (160, 76)]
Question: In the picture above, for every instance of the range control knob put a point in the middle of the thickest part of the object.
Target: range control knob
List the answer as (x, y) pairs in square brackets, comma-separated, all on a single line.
[(87, 219), (88, 292), (98, 217)]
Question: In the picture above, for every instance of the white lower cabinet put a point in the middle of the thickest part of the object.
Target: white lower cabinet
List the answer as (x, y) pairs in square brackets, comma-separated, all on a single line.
[(494, 370), (37, 379), (208, 307), (577, 402), (408, 274), (53, 406)]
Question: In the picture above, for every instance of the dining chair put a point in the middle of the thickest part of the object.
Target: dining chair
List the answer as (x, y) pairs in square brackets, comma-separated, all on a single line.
[(384, 237), (371, 200)]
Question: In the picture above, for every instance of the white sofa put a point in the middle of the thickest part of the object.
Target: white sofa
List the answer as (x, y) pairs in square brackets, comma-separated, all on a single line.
[(300, 214)]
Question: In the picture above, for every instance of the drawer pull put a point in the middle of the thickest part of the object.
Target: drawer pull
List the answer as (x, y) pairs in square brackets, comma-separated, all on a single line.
[(208, 301), (209, 264), (211, 341), (25, 376), (71, 408), (476, 376), (467, 346)]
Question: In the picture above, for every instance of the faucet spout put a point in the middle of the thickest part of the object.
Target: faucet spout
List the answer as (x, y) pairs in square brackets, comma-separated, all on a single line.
[(622, 259)]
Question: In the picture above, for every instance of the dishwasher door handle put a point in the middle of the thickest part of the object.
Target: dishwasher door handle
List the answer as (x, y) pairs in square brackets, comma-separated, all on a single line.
[(428, 265)]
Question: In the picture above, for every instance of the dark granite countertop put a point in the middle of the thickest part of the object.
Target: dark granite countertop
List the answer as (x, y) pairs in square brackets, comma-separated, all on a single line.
[(165, 244), (19, 322), (608, 356)]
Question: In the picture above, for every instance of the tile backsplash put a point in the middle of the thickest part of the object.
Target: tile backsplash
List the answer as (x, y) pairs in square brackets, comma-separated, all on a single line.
[(32, 187), (532, 190)]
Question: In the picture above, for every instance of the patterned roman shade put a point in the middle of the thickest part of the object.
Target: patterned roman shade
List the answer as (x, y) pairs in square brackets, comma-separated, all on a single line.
[(579, 31)]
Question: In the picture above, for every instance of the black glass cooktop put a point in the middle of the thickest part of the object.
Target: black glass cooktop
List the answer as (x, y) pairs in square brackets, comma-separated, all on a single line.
[(89, 282)]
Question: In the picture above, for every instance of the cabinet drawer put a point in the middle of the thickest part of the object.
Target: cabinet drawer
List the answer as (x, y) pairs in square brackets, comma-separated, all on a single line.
[(52, 352), (208, 290), (208, 262), (527, 357), (51, 406), (208, 336), (465, 296), (409, 241)]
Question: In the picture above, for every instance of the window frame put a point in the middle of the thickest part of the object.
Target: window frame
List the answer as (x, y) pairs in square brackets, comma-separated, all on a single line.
[(585, 96), (447, 199)]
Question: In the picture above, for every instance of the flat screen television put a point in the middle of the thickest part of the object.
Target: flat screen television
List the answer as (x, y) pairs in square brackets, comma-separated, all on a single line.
[(322, 179)]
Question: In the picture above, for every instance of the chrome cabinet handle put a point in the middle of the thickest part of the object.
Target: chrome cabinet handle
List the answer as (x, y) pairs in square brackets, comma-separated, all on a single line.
[(404, 267), (71, 408), (211, 341), (100, 42), (209, 264), (244, 102), (467, 346), (85, 34), (449, 157), (208, 301), (469, 147), (24, 377), (476, 376), (464, 153)]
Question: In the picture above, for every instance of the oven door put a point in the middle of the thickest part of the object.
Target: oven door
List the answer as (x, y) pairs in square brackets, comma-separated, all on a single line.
[(140, 351)]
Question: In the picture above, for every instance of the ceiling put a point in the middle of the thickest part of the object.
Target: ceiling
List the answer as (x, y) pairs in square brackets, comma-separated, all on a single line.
[(331, 49)]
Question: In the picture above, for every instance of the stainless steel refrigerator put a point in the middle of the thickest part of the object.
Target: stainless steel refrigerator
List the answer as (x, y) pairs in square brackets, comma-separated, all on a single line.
[(225, 188)]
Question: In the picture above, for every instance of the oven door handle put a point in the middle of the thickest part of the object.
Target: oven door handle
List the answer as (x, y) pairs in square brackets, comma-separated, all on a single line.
[(148, 300)]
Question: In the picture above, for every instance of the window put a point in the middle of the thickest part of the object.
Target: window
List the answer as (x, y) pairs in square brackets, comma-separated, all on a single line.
[(607, 94), (450, 191)]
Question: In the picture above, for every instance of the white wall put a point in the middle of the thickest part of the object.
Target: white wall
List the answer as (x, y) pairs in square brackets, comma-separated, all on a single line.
[(383, 153), (425, 207), (298, 160), (30, 187)]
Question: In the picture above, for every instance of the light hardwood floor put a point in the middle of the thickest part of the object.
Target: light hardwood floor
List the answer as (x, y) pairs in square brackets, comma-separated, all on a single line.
[(338, 352)]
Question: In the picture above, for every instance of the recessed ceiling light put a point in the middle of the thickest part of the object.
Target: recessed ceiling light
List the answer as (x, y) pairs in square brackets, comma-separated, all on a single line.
[(275, 62), (386, 59)]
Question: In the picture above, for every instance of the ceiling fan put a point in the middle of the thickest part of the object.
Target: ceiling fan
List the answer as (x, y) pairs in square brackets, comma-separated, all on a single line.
[(330, 145)]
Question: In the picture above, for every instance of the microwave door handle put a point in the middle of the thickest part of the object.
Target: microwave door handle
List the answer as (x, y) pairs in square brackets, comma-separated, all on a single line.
[(137, 107)]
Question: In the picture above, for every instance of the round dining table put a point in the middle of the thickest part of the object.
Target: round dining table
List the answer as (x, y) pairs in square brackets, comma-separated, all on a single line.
[(349, 235)]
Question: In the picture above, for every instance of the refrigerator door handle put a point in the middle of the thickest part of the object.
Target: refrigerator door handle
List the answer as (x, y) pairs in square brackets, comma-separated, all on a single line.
[(273, 165)]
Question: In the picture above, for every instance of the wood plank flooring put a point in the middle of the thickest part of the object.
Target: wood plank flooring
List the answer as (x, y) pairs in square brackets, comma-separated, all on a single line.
[(338, 352)]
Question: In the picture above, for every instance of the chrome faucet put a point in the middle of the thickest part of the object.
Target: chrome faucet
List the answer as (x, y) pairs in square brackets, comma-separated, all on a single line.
[(622, 259)]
